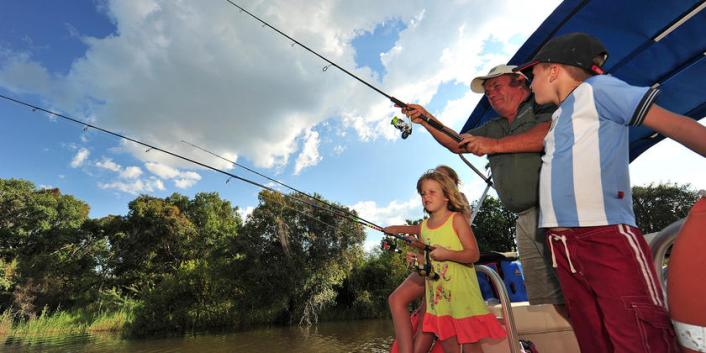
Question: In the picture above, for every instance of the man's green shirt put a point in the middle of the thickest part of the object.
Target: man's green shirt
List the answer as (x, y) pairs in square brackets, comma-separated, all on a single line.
[(515, 175)]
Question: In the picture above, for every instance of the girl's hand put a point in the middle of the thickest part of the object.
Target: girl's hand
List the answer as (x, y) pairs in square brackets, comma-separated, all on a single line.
[(440, 253), (410, 257)]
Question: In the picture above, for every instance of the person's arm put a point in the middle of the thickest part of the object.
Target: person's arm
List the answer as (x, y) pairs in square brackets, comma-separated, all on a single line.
[(402, 229), (531, 140), (470, 252), (415, 111), (684, 130)]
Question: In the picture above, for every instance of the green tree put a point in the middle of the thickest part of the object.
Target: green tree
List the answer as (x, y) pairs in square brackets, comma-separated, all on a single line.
[(54, 257), (494, 227), (363, 294), (151, 241), (657, 206), (293, 255)]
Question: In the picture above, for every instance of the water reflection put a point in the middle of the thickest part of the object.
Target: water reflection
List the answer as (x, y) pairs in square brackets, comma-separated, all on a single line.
[(350, 336)]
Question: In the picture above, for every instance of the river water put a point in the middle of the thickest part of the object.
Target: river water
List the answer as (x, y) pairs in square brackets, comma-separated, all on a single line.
[(330, 337)]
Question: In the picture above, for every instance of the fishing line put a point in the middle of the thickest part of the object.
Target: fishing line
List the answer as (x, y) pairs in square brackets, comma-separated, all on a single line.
[(150, 147), (334, 208), (435, 124)]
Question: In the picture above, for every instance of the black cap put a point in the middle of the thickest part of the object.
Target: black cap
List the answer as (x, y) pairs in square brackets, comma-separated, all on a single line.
[(575, 49)]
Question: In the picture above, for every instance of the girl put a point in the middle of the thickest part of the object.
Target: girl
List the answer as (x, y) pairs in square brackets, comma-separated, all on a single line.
[(455, 311), (406, 331)]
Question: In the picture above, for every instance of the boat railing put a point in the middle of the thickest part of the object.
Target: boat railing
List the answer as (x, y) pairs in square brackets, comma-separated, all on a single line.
[(506, 306), (660, 244)]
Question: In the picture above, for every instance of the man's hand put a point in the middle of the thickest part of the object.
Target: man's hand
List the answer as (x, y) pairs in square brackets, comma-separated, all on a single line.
[(415, 111), (478, 145)]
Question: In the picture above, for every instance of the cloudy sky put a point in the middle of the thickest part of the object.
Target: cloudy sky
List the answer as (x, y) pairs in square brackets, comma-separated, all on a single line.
[(201, 71)]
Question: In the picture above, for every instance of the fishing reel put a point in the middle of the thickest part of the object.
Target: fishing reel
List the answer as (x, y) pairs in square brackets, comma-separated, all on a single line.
[(389, 244), (399, 124), (426, 269)]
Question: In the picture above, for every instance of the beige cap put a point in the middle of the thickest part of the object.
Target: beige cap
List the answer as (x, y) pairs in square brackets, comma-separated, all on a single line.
[(477, 83)]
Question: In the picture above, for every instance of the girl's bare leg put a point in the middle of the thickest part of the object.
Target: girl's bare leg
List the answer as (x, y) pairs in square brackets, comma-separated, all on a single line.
[(472, 348), (422, 340), (410, 289), (450, 345)]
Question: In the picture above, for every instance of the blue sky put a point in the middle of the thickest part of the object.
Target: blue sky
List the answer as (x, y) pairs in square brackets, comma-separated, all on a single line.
[(163, 71)]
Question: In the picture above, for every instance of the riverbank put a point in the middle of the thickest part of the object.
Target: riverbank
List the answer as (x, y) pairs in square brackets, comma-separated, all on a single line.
[(64, 323)]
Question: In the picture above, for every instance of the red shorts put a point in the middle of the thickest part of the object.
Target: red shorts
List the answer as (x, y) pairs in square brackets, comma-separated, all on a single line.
[(612, 294)]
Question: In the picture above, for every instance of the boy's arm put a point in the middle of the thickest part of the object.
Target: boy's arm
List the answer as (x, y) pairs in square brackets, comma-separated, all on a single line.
[(684, 130), (531, 140)]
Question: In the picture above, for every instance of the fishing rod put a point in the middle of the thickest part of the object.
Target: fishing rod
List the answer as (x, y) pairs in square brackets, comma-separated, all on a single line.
[(150, 147), (334, 208), (406, 131), (414, 243)]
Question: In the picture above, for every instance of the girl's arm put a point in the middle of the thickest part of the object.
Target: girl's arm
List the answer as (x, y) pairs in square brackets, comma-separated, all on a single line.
[(403, 229), (470, 252)]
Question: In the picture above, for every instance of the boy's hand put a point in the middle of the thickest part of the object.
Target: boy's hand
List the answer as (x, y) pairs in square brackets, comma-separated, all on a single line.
[(439, 253)]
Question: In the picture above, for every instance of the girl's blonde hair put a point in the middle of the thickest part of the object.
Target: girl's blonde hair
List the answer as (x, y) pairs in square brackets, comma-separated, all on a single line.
[(449, 172), (456, 201)]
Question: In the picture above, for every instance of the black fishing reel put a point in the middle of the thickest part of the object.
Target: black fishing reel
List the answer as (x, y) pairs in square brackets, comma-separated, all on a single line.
[(399, 124), (389, 244), (425, 270)]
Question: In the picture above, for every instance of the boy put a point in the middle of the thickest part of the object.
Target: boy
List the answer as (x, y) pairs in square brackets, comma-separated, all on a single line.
[(604, 265)]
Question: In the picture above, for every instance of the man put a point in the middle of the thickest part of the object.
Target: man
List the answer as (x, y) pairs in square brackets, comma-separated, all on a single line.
[(509, 142)]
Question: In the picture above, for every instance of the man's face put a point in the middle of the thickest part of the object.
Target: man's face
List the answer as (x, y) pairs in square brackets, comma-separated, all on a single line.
[(502, 96), (541, 84)]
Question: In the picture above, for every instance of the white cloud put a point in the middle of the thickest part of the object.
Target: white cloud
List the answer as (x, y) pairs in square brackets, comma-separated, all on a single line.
[(136, 187), (132, 172), (182, 180), (245, 213), (186, 180), (204, 72), (310, 152), (162, 170), (338, 149), (396, 212), (80, 157), (108, 164)]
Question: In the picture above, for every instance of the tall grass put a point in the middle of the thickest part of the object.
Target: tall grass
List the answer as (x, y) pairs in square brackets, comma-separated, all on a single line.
[(114, 322), (5, 323), (63, 323)]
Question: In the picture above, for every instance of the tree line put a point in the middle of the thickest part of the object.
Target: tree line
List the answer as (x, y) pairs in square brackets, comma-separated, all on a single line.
[(180, 264)]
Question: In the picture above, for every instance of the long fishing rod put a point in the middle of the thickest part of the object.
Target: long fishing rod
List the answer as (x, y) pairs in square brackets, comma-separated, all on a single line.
[(86, 125), (394, 100), (334, 208)]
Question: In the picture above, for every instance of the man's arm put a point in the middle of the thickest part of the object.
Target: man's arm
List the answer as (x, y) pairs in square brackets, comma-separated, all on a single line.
[(414, 112), (531, 140), (679, 128)]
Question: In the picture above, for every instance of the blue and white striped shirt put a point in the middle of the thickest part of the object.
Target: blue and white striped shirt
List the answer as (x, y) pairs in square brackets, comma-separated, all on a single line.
[(585, 178)]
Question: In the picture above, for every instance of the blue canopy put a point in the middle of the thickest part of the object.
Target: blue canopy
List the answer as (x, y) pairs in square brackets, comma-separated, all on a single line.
[(650, 43)]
